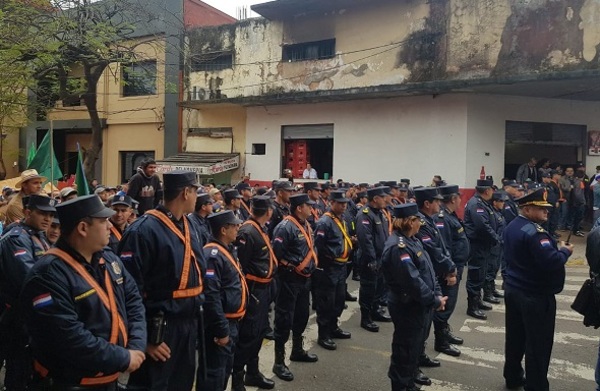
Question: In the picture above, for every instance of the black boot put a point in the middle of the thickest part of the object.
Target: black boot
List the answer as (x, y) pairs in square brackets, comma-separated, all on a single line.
[(298, 352), (258, 380), (237, 381), (367, 323), (473, 309), (488, 293), (483, 305), (279, 368), (453, 339), (496, 292), (442, 344)]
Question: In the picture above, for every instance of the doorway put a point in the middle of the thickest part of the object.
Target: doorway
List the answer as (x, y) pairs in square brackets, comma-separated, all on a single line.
[(303, 144)]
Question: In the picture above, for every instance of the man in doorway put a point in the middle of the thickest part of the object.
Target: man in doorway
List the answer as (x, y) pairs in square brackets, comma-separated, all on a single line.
[(309, 172)]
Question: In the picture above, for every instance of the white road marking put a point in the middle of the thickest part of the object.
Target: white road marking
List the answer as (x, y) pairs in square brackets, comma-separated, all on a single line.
[(560, 314)]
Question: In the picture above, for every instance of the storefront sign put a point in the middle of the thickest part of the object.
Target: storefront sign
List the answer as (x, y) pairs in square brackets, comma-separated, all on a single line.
[(225, 165)]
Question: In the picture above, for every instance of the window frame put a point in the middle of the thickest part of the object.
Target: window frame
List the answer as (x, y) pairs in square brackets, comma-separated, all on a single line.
[(128, 90)]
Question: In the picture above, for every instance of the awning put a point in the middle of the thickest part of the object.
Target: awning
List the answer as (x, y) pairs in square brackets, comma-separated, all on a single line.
[(200, 163)]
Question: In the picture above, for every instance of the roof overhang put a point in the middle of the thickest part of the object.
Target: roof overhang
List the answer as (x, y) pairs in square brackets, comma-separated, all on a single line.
[(575, 85), (205, 164), (283, 9)]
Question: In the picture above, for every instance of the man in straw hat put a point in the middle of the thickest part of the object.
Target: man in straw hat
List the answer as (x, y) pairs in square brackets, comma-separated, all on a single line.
[(30, 183)]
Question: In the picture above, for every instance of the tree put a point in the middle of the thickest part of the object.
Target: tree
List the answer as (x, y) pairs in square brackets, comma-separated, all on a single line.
[(83, 34)]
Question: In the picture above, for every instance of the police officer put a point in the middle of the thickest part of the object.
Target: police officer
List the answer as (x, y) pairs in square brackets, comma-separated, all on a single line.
[(226, 295), (480, 225), (414, 294), (513, 190), (313, 190), (121, 204), (372, 232), (82, 308), (21, 247), (428, 202), (283, 191), (259, 265), (535, 272), (233, 202), (246, 192), (457, 243), (334, 246), (198, 219), (158, 251), (490, 293), (293, 247)]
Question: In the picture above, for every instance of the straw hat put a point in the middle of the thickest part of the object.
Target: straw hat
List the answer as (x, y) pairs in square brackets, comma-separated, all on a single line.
[(28, 175)]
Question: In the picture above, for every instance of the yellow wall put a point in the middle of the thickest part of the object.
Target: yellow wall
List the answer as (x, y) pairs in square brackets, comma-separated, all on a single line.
[(138, 137)]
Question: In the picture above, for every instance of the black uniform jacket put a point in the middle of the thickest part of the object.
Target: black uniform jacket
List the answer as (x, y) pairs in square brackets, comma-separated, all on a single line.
[(454, 235), (292, 246), (332, 245), (434, 244), (372, 232), (200, 229), (253, 252), (480, 222), (279, 213)]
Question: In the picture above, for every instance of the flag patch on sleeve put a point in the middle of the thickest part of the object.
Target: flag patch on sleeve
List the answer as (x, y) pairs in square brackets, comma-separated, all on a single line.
[(321, 233), (210, 273), (126, 255), (405, 258), (426, 239), (439, 225), (278, 239), (19, 253), (480, 210), (545, 243), (42, 301)]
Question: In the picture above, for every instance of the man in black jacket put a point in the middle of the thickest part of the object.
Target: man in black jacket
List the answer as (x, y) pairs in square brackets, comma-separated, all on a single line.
[(144, 186)]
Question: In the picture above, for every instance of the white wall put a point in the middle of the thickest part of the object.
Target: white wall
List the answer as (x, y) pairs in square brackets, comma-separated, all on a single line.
[(487, 116), (414, 137)]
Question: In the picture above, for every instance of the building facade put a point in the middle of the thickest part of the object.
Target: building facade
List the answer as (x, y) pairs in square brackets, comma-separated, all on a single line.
[(366, 91)]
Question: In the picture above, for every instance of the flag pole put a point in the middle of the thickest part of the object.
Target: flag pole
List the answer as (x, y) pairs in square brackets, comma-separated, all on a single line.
[(51, 155)]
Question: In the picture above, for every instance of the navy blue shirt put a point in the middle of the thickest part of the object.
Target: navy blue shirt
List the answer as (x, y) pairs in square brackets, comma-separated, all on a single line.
[(434, 244), (454, 235), (533, 261), (480, 223)]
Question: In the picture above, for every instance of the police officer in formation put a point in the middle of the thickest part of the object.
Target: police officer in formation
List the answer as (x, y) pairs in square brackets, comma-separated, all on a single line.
[(490, 293), (122, 206), (226, 296), (334, 246), (246, 192), (313, 190), (283, 191), (535, 273), (372, 232), (480, 225), (453, 234), (168, 266), (293, 247), (21, 247), (82, 308), (199, 218), (413, 295), (259, 265)]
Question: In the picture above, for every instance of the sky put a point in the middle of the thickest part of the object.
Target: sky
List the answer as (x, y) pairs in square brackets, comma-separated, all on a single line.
[(230, 6)]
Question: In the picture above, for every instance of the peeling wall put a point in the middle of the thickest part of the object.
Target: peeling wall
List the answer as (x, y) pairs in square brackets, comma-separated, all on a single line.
[(389, 42)]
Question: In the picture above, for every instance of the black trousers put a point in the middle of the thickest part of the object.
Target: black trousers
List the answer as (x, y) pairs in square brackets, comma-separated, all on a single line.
[(253, 328), (496, 255), (330, 286), (477, 267), (177, 373), (292, 306), (442, 317), (530, 320), (370, 290), (219, 361), (410, 323), (19, 369)]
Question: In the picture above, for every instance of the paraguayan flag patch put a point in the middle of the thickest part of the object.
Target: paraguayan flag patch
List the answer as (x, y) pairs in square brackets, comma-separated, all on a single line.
[(405, 258), (210, 273), (42, 301), (19, 253), (545, 243)]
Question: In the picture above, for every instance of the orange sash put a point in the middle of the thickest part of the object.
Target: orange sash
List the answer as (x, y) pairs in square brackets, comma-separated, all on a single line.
[(272, 257), (388, 217), (309, 241), (116, 232)]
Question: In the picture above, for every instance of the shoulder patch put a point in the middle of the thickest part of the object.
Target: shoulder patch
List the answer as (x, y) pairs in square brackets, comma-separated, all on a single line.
[(366, 210), (214, 252), (539, 228), (441, 214), (405, 258), (529, 229), (401, 243)]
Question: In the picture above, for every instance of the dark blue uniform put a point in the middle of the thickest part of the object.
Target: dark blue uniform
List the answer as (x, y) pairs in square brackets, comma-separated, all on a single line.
[(497, 255), (115, 237), (454, 236), (259, 267), (245, 210), (511, 210), (480, 225), (200, 229), (226, 298), (292, 247), (279, 213), (372, 232), (20, 248), (69, 324), (535, 272), (154, 255), (413, 295), (334, 248)]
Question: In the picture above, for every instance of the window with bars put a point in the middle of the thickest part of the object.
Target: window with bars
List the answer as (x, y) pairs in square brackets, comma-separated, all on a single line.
[(318, 50), (139, 78), (212, 62)]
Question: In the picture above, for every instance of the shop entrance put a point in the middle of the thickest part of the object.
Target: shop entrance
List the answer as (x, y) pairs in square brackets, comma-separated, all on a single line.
[(304, 144)]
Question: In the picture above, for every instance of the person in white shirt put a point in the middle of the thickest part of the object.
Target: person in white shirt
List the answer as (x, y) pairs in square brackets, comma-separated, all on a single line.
[(309, 172)]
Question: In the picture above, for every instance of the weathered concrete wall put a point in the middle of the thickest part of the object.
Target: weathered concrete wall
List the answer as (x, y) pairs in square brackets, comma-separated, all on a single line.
[(400, 42)]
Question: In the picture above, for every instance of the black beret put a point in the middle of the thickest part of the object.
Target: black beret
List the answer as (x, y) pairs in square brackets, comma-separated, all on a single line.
[(485, 183), (120, 200), (243, 186), (499, 196), (312, 186), (203, 198), (299, 199), (72, 211), (448, 190), (43, 203), (406, 210), (231, 194), (338, 196), (179, 179), (261, 202), (403, 186), (219, 219), (427, 194), (377, 191)]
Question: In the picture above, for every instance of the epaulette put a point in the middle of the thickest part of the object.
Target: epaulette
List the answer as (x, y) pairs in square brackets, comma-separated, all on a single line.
[(401, 243), (530, 229), (539, 227), (441, 214), (366, 211), (214, 252), (423, 221), (16, 231)]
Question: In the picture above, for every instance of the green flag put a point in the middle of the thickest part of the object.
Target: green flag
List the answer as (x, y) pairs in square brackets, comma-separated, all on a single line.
[(31, 153), (45, 161), (80, 181)]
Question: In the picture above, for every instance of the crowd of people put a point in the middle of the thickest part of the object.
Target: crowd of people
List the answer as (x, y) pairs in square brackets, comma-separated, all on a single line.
[(173, 282)]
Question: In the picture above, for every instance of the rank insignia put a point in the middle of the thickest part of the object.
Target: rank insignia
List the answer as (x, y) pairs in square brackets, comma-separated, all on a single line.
[(116, 268)]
